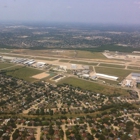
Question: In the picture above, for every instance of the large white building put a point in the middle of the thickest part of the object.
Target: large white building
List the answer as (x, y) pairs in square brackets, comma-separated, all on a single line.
[(63, 67), (40, 64), (135, 76), (100, 75), (128, 83), (73, 66)]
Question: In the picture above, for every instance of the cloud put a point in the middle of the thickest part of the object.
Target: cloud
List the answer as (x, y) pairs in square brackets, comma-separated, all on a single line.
[(137, 2), (68, 7)]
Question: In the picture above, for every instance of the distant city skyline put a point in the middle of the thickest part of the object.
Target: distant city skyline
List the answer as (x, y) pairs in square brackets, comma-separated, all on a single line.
[(78, 11)]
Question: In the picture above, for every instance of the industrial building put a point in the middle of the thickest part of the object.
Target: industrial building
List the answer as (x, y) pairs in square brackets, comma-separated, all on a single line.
[(93, 77), (135, 76), (128, 83), (86, 67), (40, 64), (28, 61), (73, 66), (138, 81), (85, 71), (63, 67), (85, 76)]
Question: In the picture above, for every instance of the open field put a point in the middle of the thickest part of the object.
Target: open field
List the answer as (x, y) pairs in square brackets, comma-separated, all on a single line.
[(62, 60), (112, 65), (133, 67), (42, 58), (5, 65), (23, 73), (137, 63), (45, 53), (47, 79), (121, 73), (90, 55), (109, 81), (5, 50), (87, 85), (40, 75), (67, 53), (14, 55), (83, 63), (138, 86)]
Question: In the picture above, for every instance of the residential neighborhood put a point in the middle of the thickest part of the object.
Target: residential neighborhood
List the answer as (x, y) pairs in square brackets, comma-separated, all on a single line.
[(47, 111)]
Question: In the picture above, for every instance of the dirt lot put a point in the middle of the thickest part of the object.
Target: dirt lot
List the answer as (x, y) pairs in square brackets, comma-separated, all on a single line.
[(41, 75)]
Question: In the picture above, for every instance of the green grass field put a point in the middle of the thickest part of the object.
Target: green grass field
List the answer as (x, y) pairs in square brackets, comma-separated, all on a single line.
[(90, 55), (68, 53), (62, 60), (133, 67), (14, 55), (83, 63), (138, 86), (21, 72), (109, 81), (5, 50), (121, 73), (42, 58), (92, 86), (5, 65), (112, 65)]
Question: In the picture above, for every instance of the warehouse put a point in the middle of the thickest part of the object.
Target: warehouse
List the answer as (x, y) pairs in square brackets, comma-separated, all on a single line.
[(31, 62), (85, 75), (26, 62), (73, 66), (93, 77), (138, 81), (40, 64), (106, 76), (128, 83), (135, 76), (85, 71), (86, 67), (63, 67)]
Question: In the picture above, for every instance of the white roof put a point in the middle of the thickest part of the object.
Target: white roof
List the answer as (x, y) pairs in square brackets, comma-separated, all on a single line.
[(73, 66), (128, 82), (61, 66), (106, 76), (85, 75), (41, 63), (86, 67), (135, 74), (93, 76)]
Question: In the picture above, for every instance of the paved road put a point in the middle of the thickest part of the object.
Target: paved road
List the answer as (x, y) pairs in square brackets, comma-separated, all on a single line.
[(64, 130)]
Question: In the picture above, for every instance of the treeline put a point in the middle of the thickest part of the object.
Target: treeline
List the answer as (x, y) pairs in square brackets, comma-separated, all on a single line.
[(110, 47)]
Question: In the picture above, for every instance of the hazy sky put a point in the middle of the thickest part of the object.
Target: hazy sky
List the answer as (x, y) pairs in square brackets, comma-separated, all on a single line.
[(88, 11)]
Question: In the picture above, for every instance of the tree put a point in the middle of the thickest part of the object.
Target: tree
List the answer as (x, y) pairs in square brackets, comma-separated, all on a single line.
[(129, 126), (102, 137), (51, 131), (15, 135), (61, 133)]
